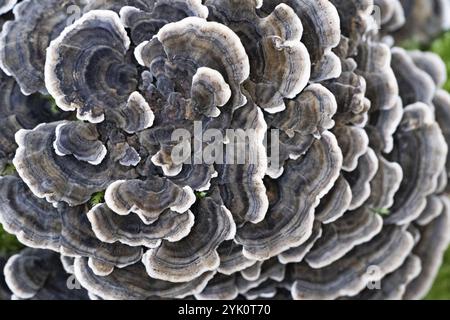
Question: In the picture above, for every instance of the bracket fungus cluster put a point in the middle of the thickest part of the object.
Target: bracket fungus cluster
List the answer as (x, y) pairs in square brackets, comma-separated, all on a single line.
[(89, 106)]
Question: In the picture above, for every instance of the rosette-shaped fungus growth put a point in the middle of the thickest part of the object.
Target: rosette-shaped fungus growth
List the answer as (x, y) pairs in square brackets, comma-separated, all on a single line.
[(221, 148)]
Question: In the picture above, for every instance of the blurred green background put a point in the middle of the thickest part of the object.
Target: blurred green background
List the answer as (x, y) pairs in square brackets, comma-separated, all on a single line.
[(440, 46), (441, 287)]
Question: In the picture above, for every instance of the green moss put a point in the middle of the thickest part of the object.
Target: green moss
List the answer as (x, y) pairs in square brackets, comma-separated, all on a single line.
[(97, 198), (381, 211), (441, 46), (8, 170), (54, 109), (8, 243), (441, 287), (411, 45), (201, 195)]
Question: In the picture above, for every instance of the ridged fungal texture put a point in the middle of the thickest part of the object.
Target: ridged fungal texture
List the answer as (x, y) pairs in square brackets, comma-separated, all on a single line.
[(223, 148)]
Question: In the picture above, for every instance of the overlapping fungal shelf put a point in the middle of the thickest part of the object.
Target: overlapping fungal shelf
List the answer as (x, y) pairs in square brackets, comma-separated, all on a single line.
[(88, 107)]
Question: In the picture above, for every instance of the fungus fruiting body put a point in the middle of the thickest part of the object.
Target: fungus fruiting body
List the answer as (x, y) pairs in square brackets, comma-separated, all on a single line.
[(219, 149)]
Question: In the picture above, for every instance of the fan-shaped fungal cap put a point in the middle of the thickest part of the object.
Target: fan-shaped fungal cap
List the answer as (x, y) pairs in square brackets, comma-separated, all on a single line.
[(356, 21), (87, 67), (23, 41), (232, 259), (135, 116), (133, 283), (340, 237), (220, 287), (240, 178), (423, 19), (392, 15), (38, 275), (415, 85), (148, 199), (204, 44), (430, 249), (311, 112), (289, 221), (353, 142), (421, 151), (374, 62), (60, 178), (296, 254), (349, 90), (209, 91), (361, 178), (393, 286), (433, 209), (441, 103), (80, 140), (384, 124), (270, 269), (145, 23), (116, 5), (110, 227), (280, 64), (18, 111), (320, 21), (35, 222), (28, 110), (349, 275), (63, 229), (334, 204), (199, 177), (432, 64), (385, 184), (196, 254)]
